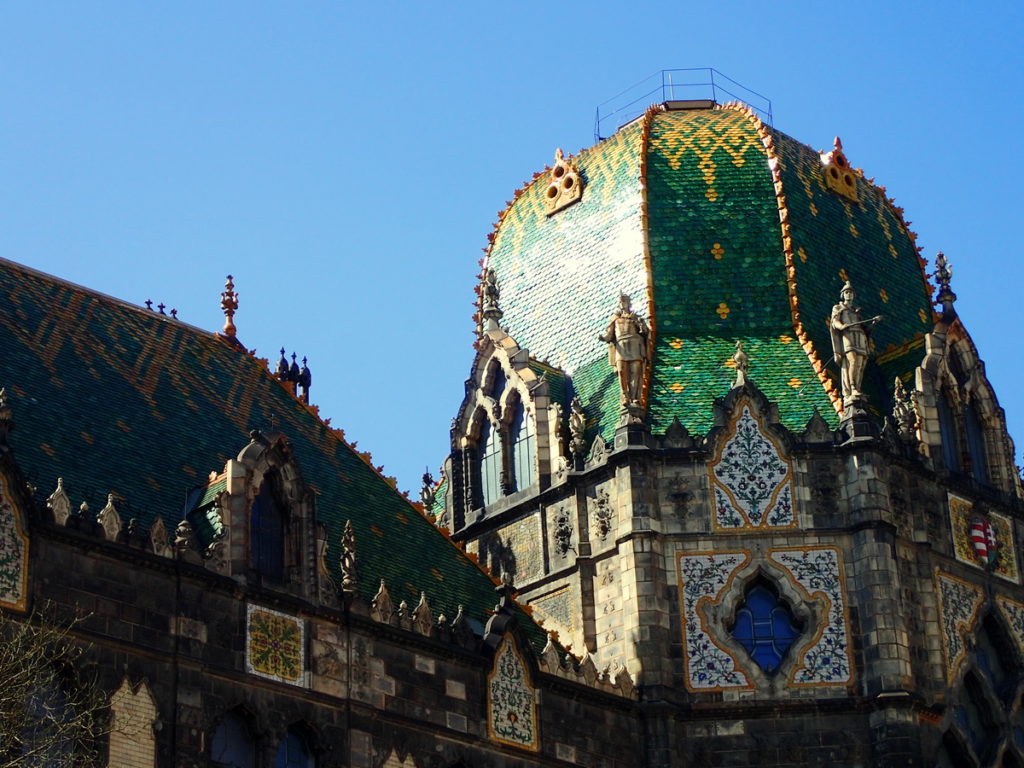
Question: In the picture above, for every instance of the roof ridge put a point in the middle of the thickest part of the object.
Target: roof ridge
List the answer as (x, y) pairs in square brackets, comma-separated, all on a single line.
[(123, 303), (768, 142)]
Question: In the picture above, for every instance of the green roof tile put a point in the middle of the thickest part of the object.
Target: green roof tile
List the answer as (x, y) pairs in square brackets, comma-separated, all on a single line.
[(114, 398), (718, 269)]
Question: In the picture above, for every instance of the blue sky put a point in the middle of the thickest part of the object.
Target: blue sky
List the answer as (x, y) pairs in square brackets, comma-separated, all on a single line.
[(346, 161)]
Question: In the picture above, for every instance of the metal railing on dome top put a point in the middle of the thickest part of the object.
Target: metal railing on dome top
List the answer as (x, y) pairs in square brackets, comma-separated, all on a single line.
[(695, 84)]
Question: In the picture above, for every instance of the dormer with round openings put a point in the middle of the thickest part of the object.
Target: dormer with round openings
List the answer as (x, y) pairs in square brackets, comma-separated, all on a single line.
[(839, 176), (565, 186)]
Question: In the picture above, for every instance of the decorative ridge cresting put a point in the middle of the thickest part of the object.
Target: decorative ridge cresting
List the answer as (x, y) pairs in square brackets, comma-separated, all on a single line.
[(774, 162), (652, 315), (38, 273), (768, 141)]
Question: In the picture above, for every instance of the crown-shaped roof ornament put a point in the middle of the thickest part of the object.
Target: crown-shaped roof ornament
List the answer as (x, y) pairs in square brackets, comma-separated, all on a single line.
[(839, 177), (565, 185)]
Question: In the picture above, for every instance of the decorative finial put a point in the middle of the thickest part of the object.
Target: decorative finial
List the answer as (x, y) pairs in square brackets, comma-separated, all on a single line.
[(305, 380), (349, 575), (943, 275), (742, 364), (174, 314), (837, 143), (904, 413), (427, 490), (490, 294), (281, 372), (161, 306), (229, 303), (577, 428), (149, 304)]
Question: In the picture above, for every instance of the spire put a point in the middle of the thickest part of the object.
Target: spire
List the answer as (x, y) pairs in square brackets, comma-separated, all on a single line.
[(427, 490), (229, 303)]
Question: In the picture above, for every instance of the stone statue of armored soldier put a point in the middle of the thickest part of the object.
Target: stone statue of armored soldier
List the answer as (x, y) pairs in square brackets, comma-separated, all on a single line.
[(851, 343), (628, 350)]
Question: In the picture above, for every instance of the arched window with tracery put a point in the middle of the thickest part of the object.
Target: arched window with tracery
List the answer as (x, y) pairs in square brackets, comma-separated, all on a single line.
[(267, 524), (765, 626), (986, 716), (232, 745), (524, 448)]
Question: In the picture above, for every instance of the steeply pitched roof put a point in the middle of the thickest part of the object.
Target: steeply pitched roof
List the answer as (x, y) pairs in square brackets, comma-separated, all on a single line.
[(683, 211), (118, 399)]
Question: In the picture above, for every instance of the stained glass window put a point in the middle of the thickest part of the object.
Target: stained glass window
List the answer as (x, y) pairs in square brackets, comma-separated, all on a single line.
[(765, 627)]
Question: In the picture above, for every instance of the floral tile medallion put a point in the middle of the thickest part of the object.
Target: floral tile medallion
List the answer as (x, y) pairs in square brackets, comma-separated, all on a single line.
[(511, 700), (275, 645), (959, 603), (752, 482), (819, 572), (704, 577), (1013, 612)]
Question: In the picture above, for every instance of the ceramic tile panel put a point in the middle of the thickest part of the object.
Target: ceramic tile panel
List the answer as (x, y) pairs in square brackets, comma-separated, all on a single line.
[(275, 645)]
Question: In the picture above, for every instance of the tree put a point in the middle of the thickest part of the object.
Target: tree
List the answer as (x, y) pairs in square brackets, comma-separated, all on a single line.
[(52, 715)]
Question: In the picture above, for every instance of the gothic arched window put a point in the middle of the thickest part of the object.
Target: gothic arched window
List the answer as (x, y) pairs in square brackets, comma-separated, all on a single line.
[(947, 432), (490, 463), (987, 713), (232, 745), (524, 448), (294, 751), (765, 627), (267, 534), (976, 444)]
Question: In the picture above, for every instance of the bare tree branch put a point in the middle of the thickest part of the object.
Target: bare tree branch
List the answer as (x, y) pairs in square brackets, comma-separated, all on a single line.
[(52, 714)]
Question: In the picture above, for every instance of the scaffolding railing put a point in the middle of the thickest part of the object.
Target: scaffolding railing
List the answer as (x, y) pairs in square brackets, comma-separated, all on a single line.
[(694, 84)]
